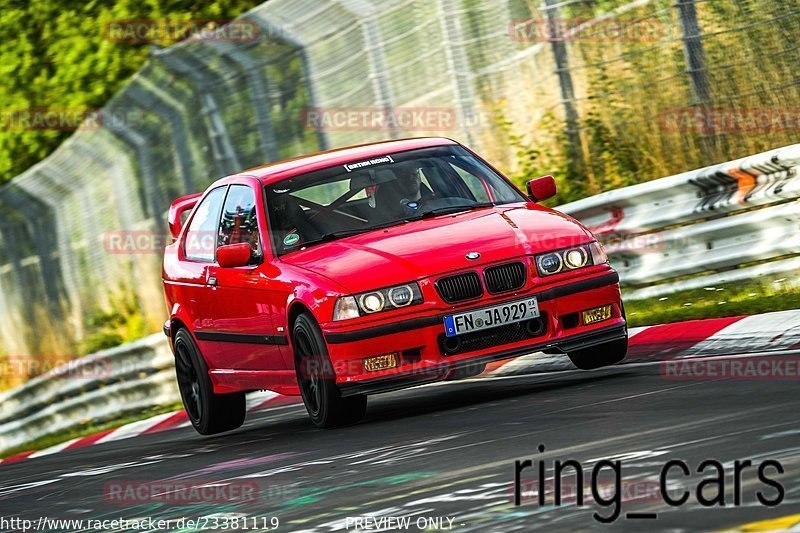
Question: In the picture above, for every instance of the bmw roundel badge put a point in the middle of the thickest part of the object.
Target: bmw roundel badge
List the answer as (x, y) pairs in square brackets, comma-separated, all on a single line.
[(472, 256)]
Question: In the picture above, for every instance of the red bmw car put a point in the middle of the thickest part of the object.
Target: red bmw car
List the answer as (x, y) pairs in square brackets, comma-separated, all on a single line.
[(374, 268)]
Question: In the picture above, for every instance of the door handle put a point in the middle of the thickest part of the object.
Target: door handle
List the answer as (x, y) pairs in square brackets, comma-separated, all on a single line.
[(212, 281)]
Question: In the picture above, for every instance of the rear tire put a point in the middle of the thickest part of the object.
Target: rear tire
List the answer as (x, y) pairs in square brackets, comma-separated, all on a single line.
[(208, 412), (317, 380), (601, 355)]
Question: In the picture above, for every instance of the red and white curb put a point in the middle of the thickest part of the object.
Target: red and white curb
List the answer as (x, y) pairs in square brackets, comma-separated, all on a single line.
[(696, 338), (768, 332)]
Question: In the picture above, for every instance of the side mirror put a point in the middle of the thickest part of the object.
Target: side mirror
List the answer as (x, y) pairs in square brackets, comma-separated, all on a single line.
[(542, 188), (234, 255)]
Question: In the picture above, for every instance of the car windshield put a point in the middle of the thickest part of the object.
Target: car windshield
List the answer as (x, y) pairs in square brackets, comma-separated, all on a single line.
[(361, 196)]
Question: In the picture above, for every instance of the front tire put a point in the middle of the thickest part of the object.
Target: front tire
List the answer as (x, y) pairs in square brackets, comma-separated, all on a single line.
[(605, 354), (208, 412), (317, 380)]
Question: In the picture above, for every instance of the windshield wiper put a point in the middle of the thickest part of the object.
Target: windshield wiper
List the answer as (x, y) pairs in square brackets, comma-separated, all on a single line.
[(451, 210)]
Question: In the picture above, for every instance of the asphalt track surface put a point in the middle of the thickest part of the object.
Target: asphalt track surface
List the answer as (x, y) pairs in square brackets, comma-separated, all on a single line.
[(449, 450)]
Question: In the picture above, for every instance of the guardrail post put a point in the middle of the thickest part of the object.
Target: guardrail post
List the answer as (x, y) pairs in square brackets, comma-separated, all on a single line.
[(10, 233), (53, 193), (154, 203), (561, 57), (224, 154), (259, 95), (149, 96), (366, 13), (293, 39), (458, 66), (41, 232), (695, 55)]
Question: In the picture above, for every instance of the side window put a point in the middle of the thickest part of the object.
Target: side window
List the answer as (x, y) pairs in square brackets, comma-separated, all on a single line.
[(239, 221), (200, 241)]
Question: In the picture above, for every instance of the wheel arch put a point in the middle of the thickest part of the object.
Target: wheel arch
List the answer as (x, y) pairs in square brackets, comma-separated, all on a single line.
[(296, 308), (176, 324)]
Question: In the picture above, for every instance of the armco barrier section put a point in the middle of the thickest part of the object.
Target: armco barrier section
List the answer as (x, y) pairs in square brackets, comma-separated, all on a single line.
[(701, 227), (99, 387)]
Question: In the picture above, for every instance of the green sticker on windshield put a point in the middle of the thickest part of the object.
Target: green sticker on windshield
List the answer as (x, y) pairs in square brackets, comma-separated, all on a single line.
[(291, 239)]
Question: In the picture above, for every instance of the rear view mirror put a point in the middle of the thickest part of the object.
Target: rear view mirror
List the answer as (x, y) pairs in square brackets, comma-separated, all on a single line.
[(234, 255), (541, 189)]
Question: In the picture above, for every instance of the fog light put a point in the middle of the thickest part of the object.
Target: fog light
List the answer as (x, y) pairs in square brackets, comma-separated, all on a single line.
[(380, 362), (598, 314)]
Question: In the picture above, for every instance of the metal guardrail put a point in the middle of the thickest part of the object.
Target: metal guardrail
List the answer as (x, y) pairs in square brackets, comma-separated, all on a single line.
[(701, 227), (99, 387), (658, 235)]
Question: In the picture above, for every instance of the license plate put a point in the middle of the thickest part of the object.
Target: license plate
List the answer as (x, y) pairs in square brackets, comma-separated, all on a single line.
[(491, 317)]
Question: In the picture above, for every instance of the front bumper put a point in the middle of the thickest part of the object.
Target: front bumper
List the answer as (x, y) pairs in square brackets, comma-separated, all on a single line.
[(413, 377), (423, 359)]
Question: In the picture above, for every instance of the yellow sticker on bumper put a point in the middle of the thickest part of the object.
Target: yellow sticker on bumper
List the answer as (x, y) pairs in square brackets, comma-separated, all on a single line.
[(381, 362), (598, 314)]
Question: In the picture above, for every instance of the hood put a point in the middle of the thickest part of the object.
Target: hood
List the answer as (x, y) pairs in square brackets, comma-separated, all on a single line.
[(436, 246)]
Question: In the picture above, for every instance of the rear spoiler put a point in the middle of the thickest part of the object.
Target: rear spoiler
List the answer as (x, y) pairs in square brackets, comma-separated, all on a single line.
[(177, 209)]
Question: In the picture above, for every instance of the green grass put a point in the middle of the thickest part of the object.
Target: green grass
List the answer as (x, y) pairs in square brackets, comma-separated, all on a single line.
[(90, 428), (774, 293)]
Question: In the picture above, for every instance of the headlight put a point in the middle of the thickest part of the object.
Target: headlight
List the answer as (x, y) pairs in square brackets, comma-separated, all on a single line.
[(570, 259), (367, 303), (550, 264), (372, 302), (576, 258)]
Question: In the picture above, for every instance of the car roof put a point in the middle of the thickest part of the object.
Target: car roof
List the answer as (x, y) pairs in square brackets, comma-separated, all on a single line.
[(300, 165)]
